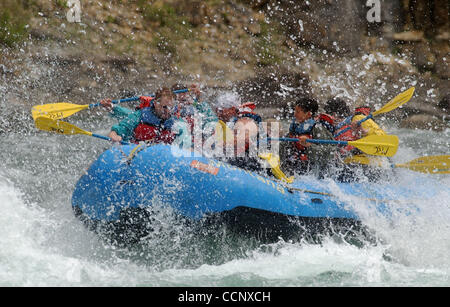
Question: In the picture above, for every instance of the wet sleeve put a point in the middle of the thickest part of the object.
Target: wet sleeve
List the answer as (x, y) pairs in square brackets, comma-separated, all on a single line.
[(206, 112), (369, 125), (126, 127), (120, 112)]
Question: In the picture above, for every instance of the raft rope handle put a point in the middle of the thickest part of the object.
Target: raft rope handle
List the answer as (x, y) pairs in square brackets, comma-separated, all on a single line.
[(135, 151), (335, 196)]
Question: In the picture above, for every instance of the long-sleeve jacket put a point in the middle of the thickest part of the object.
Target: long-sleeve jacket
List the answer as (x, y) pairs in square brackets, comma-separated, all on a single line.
[(369, 125), (126, 128), (319, 156)]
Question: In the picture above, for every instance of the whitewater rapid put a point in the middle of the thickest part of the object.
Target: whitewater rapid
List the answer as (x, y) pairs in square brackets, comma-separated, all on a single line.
[(43, 244)]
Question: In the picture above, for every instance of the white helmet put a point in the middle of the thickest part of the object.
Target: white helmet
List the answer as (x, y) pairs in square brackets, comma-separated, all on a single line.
[(228, 100)]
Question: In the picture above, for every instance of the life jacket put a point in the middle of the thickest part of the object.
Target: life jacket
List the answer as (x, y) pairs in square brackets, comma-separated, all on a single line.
[(347, 121), (349, 135), (362, 110), (152, 128), (346, 136), (247, 110), (146, 102), (327, 121), (298, 129)]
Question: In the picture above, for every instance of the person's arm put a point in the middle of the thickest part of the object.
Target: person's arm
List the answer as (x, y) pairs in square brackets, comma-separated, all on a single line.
[(320, 153), (369, 127), (116, 111), (126, 127), (205, 110), (120, 112)]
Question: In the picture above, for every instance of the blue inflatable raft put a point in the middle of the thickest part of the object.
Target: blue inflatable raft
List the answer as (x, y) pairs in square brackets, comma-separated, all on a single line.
[(118, 191)]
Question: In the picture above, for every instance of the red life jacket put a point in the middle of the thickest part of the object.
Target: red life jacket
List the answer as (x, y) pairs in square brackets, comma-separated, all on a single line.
[(301, 150), (346, 136), (327, 121), (349, 135), (146, 102), (362, 110), (154, 129), (247, 110), (153, 134)]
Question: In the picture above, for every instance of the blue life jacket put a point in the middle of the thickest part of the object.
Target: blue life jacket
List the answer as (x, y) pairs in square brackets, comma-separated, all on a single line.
[(253, 116), (148, 117), (302, 128)]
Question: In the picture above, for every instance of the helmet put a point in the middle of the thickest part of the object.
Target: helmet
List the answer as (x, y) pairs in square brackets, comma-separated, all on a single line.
[(228, 100)]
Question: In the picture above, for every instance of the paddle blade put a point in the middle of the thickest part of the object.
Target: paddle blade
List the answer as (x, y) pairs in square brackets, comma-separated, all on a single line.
[(274, 162), (223, 131), (377, 145), (429, 164), (56, 110), (366, 160), (395, 102), (52, 125)]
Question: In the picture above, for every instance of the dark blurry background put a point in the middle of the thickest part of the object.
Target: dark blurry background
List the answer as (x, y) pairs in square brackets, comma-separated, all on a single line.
[(269, 51)]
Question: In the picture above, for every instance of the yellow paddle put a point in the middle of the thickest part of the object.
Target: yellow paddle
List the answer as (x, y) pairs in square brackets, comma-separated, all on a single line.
[(274, 162), (376, 145), (226, 132), (427, 164), (65, 109), (394, 103), (52, 125)]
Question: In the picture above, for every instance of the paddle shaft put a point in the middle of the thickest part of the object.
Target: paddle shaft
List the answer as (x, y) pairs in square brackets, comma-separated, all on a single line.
[(358, 123), (397, 101), (375, 145), (99, 136), (93, 105), (309, 140), (428, 164), (60, 127)]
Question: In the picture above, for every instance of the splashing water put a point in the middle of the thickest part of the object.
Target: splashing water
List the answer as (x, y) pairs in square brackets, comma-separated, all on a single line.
[(44, 244)]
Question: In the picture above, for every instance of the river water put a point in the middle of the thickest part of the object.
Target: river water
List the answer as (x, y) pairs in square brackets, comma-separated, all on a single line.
[(42, 243)]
